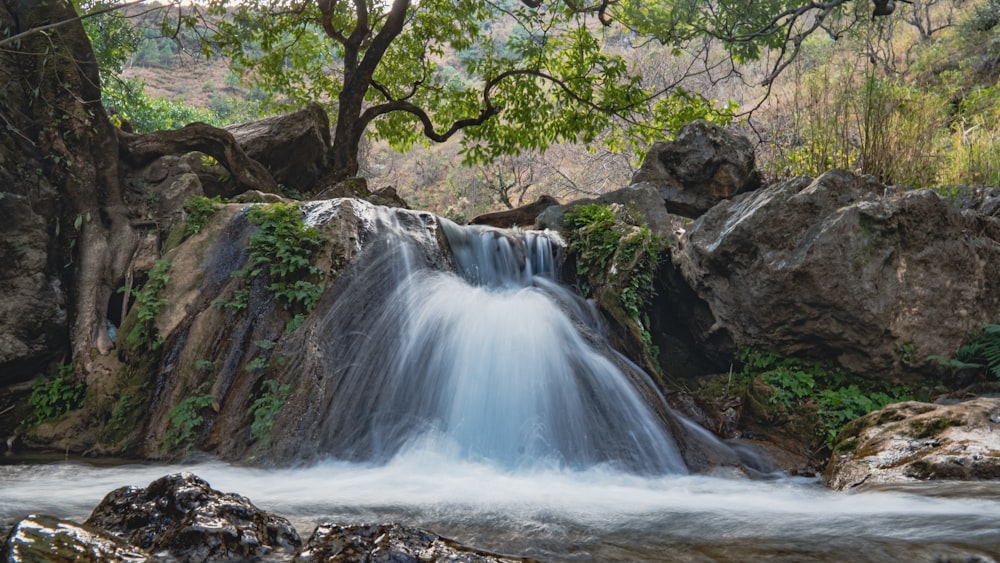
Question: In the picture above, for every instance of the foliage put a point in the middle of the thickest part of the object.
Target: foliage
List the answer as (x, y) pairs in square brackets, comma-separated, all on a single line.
[(270, 402), (493, 70), (839, 397), (185, 418), (914, 110), (199, 210), (617, 257), (240, 301), (284, 248), (980, 351), (148, 305), (56, 396), (112, 37)]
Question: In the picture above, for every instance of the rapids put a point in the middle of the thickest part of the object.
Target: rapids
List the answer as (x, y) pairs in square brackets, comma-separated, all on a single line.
[(600, 513)]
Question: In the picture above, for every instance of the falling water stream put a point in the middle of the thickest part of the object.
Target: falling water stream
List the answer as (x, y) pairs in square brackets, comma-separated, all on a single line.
[(486, 406)]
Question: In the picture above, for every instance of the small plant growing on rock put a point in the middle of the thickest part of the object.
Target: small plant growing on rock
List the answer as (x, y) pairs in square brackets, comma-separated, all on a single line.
[(55, 397), (271, 401), (837, 397), (981, 351), (199, 210), (284, 249), (616, 261), (185, 418), (148, 304)]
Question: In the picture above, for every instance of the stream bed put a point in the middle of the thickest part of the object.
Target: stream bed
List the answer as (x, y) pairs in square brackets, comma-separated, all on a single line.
[(560, 515)]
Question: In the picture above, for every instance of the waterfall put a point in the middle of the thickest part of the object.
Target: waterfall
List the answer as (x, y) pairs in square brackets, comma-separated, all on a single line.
[(488, 358)]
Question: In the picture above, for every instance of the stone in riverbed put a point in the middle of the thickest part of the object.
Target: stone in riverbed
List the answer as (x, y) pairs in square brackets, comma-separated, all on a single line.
[(180, 516), (387, 542), (45, 538), (909, 442)]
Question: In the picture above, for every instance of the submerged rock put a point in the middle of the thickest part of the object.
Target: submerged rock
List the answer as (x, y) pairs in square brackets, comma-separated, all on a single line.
[(45, 538), (913, 441), (180, 516), (387, 542), (839, 267)]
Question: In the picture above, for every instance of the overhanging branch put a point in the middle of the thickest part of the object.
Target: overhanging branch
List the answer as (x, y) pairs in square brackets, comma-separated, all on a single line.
[(41, 28)]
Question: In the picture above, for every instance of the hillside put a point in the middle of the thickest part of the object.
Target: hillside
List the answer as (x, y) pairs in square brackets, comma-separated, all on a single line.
[(910, 99)]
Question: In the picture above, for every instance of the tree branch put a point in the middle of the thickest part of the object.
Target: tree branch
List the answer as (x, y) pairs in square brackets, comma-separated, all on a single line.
[(217, 143), (40, 29)]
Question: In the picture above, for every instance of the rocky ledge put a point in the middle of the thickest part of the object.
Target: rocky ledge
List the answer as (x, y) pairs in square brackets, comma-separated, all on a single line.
[(913, 441)]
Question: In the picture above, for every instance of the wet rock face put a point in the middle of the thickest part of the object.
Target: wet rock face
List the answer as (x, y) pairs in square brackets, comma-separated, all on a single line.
[(841, 268), (388, 543), (180, 516), (702, 166), (913, 441), (44, 538)]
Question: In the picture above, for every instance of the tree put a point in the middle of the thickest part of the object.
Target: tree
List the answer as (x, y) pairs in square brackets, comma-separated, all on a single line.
[(528, 73)]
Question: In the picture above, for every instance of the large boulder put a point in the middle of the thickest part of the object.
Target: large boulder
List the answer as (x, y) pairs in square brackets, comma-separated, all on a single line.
[(909, 442), (293, 147), (702, 166), (387, 542), (839, 267), (181, 517)]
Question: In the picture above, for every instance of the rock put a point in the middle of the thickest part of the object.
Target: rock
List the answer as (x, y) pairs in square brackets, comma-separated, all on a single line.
[(180, 516), (387, 542), (33, 319), (44, 538), (388, 197), (523, 216), (982, 201), (913, 441), (702, 166), (293, 147), (642, 198), (839, 268)]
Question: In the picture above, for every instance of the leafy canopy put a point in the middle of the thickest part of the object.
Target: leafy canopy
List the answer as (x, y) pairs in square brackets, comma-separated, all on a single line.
[(510, 75)]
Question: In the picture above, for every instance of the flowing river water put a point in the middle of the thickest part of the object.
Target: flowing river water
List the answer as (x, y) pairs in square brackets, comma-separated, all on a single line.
[(486, 406), (600, 514)]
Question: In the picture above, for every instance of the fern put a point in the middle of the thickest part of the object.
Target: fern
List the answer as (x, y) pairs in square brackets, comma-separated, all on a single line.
[(981, 351)]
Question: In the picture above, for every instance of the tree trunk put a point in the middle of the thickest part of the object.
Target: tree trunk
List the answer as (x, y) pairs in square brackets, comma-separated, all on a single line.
[(68, 127), (348, 130)]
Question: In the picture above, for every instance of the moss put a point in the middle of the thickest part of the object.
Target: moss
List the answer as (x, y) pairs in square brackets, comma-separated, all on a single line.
[(920, 469), (926, 428), (846, 446)]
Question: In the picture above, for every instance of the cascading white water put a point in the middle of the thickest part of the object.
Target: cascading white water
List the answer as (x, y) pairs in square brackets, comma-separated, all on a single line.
[(495, 361)]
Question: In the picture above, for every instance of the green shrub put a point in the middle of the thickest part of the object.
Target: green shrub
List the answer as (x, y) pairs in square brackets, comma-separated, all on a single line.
[(284, 249), (52, 398), (837, 396)]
